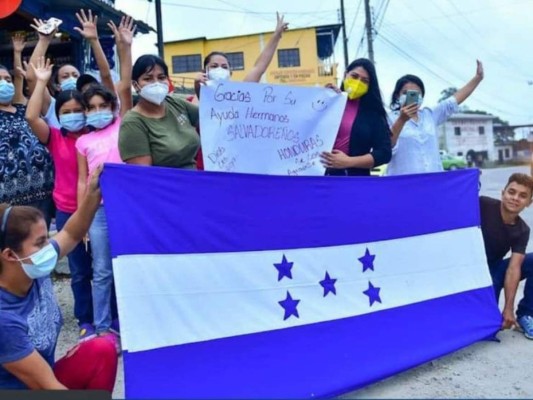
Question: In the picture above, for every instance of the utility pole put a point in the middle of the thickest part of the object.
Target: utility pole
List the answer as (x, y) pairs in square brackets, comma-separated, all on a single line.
[(159, 27), (344, 38), (368, 25)]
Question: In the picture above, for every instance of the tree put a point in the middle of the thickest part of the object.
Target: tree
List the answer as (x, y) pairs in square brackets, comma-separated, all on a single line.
[(447, 93)]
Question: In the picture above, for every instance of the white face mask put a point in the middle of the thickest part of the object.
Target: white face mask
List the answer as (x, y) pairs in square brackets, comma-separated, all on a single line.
[(154, 92), (218, 74)]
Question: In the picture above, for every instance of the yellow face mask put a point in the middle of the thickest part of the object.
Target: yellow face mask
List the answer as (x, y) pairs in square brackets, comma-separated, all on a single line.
[(355, 88)]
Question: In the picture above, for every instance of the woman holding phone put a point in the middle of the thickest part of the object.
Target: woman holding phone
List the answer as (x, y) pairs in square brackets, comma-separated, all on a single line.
[(414, 129)]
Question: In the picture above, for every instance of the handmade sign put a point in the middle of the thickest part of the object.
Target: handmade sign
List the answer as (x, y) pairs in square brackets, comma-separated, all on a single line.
[(267, 129)]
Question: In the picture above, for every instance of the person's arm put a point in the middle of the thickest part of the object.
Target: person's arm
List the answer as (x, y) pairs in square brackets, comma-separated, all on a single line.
[(133, 142), (34, 372), (340, 160), (406, 113), (42, 71), (38, 52), (463, 93), (18, 46), (199, 80), (380, 153), (90, 33), (512, 279), (192, 112), (78, 224), (141, 160), (123, 38), (267, 54), (82, 177)]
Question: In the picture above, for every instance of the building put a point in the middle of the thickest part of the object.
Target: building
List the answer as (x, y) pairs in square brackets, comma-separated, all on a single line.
[(304, 56), (68, 46), (471, 135)]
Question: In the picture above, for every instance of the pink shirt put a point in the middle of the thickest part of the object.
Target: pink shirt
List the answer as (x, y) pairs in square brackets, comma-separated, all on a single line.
[(342, 142), (100, 147), (63, 151)]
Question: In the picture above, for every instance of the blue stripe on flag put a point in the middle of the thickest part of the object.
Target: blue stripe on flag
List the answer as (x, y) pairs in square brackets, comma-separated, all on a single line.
[(169, 211), (317, 360)]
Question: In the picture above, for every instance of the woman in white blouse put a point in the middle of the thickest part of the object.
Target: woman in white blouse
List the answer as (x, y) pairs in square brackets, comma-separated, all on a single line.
[(414, 129)]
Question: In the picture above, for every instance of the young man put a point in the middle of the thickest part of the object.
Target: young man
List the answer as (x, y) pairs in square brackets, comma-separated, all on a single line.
[(504, 230)]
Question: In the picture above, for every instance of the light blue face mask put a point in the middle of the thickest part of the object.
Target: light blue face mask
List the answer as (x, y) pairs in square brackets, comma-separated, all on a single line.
[(100, 119), (73, 122), (69, 84), (7, 92), (43, 262)]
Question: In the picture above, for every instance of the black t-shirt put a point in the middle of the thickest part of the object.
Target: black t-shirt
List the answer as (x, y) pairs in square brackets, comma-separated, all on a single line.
[(498, 236)]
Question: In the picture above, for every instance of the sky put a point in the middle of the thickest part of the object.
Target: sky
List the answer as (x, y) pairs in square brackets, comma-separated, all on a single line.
[(438, 40)]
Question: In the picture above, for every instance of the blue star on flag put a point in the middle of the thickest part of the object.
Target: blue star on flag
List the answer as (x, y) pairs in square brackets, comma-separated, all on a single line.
[(284, 268), (329, 285), (373, 293), (289, 305), (367, 260)]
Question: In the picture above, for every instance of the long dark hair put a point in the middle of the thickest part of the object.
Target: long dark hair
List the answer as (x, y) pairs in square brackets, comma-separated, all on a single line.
[(400, 83), (372, 100)]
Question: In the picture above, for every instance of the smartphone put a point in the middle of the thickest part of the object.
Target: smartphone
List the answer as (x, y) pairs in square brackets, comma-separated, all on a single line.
[(411, 96), (50, 26)]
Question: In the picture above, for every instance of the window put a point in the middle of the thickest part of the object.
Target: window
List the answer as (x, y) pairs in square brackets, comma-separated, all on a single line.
[(189, 63), (288, 58), (236, 60), (507, 154), (481, 130), (459, 153), (457, 131)]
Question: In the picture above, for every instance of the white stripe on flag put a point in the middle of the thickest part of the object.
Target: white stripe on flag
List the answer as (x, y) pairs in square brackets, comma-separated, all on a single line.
[(168, 300)]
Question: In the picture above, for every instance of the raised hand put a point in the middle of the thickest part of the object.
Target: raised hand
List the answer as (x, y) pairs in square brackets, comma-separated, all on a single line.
[(88, 23), (23, 70), (281, 25), (480, 74), (43, 69), (37, 23), (125, 31), (19, 42)]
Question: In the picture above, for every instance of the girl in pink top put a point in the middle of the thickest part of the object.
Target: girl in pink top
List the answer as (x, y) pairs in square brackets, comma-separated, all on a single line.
[(69, 108), (98, 147)]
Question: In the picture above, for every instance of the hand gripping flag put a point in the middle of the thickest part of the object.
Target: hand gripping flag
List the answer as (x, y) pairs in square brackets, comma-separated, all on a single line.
[(249, 286)]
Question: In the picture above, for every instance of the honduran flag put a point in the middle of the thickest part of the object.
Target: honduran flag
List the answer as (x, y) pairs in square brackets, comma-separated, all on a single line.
[(249, 286)]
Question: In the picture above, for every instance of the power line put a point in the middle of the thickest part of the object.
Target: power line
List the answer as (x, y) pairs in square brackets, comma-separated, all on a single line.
[(413, 47), (242, 11), (496, 57), (408, 57), (474, 11), (379, 22), (355, 17)]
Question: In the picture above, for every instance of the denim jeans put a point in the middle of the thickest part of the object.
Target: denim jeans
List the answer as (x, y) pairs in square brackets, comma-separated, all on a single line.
[(497, 272), (102, 272), (79, 262)]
